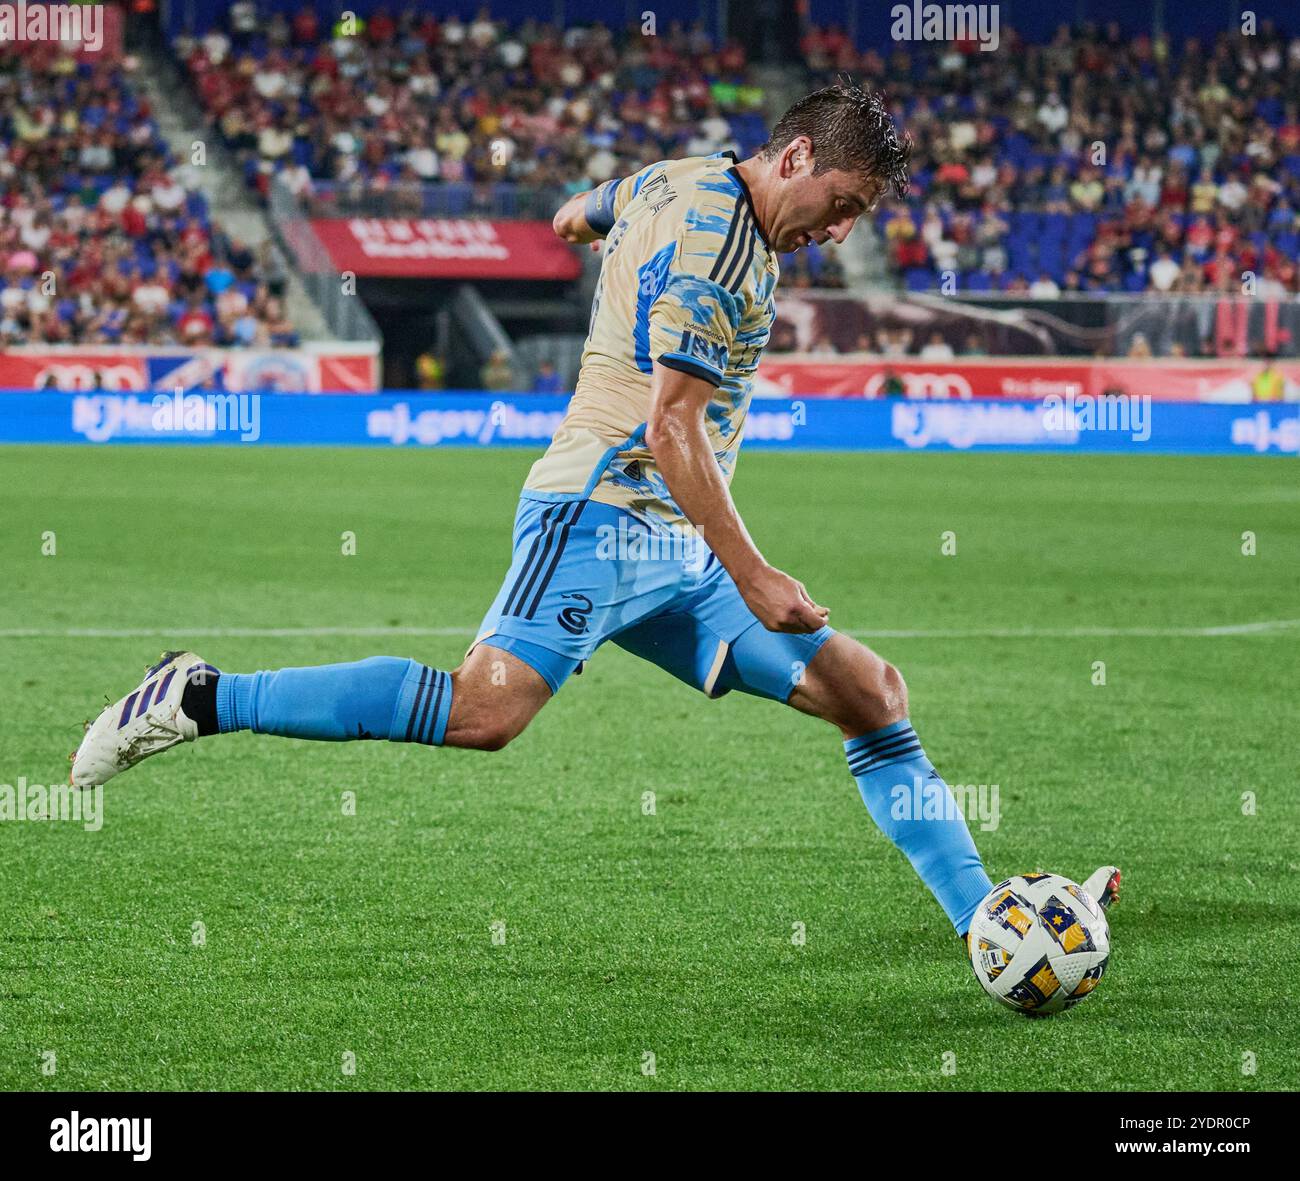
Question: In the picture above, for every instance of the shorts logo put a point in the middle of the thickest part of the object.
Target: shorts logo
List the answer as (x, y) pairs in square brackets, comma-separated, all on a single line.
[(574, 619)]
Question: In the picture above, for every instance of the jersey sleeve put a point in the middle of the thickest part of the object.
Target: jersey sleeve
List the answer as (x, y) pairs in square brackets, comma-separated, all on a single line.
[(606, 202), (600, 210), (694, 319)]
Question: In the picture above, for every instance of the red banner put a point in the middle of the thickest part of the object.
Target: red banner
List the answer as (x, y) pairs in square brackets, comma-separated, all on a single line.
[(445, 248), (1170, 381), (73, 371), (236, 370)]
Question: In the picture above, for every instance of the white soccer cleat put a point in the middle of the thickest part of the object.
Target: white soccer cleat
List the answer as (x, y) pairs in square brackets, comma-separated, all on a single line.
[(142, 723), (1103, 885)]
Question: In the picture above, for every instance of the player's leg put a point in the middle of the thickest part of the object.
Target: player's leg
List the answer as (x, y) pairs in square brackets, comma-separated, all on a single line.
[(482, 705), (563, 595), (711, 639), (850, 686), (497, 694), (864, 696)]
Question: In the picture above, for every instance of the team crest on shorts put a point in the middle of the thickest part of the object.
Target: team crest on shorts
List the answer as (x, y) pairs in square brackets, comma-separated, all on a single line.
[(574, 619)]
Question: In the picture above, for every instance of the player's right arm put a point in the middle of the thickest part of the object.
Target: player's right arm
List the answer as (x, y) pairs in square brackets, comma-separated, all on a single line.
[(677, 438), (690, 329)]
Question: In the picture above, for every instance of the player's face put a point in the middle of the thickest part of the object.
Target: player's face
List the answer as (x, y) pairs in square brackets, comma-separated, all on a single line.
[(824, 207)]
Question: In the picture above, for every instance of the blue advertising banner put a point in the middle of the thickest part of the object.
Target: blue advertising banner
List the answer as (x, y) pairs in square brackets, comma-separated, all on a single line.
[(470, 419)]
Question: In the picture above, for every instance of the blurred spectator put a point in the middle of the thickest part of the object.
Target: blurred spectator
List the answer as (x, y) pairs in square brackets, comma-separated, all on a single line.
[(497, 375), (101, 240), (936, 348), (893, 342), (1201, 170), (548, 381), (430, 372), (1044, 287), (1164, 272), (1268, 385), (822, 341), (812, 266), (429, 99)]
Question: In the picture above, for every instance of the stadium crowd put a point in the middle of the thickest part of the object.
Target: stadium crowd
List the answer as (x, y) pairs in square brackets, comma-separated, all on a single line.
[(1095, 163), (403, 101), (101, 242)]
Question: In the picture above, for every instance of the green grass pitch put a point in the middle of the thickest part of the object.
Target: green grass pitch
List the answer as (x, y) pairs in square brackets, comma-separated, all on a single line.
[(625, 933)]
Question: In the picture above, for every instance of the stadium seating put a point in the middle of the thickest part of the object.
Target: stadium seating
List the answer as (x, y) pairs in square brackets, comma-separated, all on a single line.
[(429, 117), (468, 103), (1116, 172), (100, 241)]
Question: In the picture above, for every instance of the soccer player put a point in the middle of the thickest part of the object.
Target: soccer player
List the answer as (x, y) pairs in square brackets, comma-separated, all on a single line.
[(626, 530)]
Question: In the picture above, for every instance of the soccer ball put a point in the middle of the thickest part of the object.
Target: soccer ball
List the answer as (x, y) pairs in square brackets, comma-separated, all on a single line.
[(1039, 943)]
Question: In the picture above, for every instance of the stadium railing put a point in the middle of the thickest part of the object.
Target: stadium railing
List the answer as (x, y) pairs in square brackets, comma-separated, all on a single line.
[(1069, 326), (500, 201), (344, 313)]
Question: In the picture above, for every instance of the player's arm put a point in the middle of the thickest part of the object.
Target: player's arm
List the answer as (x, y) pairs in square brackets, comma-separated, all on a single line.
[(677, 438), (570, 223), (691, 330), (589, 216)]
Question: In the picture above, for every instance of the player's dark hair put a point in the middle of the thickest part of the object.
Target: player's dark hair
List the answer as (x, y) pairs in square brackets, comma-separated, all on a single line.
[(850, 130)]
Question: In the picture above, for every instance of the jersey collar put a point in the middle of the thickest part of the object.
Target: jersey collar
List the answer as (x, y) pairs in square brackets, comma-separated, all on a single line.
[(734, 173)]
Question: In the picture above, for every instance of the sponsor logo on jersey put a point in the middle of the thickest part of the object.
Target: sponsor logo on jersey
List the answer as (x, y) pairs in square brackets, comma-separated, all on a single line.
[(712, 354)]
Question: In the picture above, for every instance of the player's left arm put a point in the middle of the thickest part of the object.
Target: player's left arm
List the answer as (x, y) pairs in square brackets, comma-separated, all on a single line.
[(588, 217), (571, 224)]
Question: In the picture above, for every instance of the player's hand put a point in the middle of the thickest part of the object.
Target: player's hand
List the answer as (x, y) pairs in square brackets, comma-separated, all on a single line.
[(781, 603), (576, 238)]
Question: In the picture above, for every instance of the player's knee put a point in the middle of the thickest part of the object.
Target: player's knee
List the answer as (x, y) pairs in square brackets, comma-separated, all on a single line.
[(485, 730), (892, 695), (880, 701), (485, 716), (488, 735)]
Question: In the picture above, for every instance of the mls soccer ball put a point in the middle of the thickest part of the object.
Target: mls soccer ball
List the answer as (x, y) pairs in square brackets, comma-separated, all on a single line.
[(1039, 943)]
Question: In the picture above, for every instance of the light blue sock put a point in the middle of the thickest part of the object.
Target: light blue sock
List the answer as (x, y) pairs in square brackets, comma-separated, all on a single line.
[(383, 697), (886, 764)]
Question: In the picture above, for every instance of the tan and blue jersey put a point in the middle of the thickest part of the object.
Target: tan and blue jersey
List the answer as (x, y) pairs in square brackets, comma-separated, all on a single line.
[(687, 281)]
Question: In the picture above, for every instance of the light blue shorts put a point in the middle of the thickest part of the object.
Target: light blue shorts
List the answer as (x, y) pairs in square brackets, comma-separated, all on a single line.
[(585, 572)]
